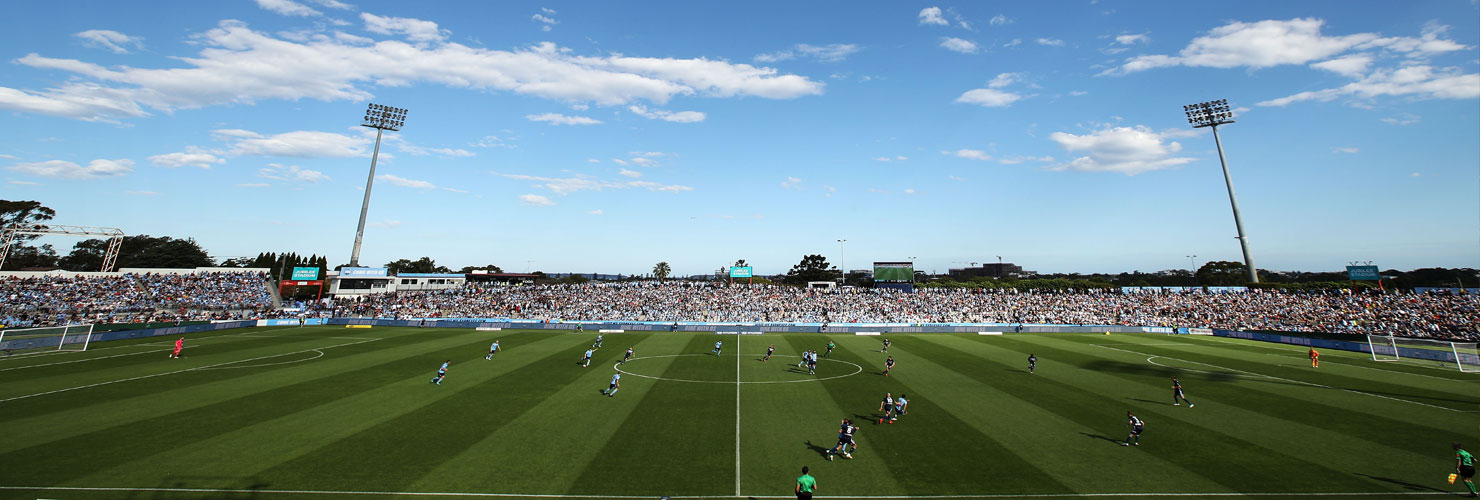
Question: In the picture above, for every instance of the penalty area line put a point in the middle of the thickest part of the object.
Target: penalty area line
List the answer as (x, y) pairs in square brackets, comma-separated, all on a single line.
[(1313, 494)]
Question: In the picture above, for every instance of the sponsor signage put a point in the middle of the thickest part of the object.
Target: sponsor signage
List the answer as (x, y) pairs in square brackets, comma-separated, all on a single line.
[(305, 273), (1362, 273), (740, 272), (363, 272)]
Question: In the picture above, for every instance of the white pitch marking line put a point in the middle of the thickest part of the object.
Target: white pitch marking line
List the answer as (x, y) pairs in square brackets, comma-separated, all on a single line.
[(880, 497), (321, 354), (1312, 384), (176, 371), (617, 366)]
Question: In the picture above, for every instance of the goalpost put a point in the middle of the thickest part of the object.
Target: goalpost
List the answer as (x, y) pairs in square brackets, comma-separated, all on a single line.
[(46, 339), (1463, 355)]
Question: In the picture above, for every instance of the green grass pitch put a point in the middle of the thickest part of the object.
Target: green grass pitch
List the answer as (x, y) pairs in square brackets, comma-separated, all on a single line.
[(321, 412)]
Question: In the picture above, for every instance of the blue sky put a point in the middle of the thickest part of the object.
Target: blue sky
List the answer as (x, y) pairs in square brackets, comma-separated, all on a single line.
[(605, 136)]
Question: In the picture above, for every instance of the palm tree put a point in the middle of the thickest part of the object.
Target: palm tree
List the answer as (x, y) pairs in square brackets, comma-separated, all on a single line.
[(741, 263), (661, 270)]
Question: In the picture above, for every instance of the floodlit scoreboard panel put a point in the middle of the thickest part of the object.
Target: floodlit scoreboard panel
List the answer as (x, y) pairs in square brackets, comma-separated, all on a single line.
[(894, 272)]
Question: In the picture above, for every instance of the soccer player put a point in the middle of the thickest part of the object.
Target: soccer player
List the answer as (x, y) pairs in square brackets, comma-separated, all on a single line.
[(901, 407), (805, 355), (441, 373), (611, 390), (806, 484), (888, 365), (597, 344), (1464, 465), (1032, 362), (718, 346), (492, 349), (830, 346), (1136, 425), (1177, 394), (887, 407), (886, 346), (812, 364), (769, 351), (845, 439), (627, 357), (179, 346), (586, 361), (1315, 358)]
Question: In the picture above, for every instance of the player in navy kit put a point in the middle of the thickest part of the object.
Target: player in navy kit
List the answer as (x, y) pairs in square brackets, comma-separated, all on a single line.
[(627, 357), (845, 440), (1136, 425), (887, 407), (1032, 362), (769, 351), (888, 365), (1177, 396), (886, 346)]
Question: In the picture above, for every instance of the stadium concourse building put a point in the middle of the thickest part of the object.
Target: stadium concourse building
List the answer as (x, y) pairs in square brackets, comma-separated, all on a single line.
[(359, 281)]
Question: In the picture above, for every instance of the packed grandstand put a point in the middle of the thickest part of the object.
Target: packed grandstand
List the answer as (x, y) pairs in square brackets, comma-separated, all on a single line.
[(52, 300)]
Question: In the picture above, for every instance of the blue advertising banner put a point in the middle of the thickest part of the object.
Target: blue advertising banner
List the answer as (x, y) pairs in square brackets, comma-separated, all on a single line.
[(362, 272), (740, 272), (305, 273), (1362, 273)]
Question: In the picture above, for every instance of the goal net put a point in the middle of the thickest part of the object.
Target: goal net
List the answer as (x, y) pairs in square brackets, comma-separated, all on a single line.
[(45, 339), (1464, 356)]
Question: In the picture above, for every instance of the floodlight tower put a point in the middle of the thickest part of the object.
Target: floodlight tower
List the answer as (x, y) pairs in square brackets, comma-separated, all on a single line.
[(381, 118), (1212, 114)]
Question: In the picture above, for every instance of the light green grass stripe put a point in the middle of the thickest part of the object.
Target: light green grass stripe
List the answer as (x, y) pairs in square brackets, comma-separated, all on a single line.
[(545, 449), (245, 452), (1052, 443), (157, 397)]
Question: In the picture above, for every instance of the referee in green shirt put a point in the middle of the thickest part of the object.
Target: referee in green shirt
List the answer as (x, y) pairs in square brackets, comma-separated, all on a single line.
[(806, 484), (1464, 466)]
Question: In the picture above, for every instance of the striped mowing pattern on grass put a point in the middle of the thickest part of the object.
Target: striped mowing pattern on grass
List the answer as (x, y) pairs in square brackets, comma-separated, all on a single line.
[(320, 411)]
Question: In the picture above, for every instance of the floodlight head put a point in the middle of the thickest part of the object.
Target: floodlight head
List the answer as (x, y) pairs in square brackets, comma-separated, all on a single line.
[(1208, 114), (384, 117)]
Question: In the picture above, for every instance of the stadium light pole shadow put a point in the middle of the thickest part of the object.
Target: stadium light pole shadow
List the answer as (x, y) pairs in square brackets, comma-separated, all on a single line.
[(1097, 436)]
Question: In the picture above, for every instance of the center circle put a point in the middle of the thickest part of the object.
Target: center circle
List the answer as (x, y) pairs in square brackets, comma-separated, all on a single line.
[(619, 367)]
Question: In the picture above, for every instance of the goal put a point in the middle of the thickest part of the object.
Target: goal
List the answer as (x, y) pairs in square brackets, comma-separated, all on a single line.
[(46, 339), (1464, 356)]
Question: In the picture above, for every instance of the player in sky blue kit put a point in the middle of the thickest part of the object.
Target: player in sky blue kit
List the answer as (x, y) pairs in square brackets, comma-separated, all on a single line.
[(627, 357), (1032, 362), (812, 364), (492, 349), (586, 361), (1136, 425), (718, 346), (1177, 394), (597, 344), (803, 362), (441, 373), (901, 407), (769, 351), (611, 390)]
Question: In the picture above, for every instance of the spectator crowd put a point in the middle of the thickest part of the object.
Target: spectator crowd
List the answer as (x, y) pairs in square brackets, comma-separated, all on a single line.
[(49, 300)]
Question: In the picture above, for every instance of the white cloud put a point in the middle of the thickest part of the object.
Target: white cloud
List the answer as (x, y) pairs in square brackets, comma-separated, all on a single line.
[(407, 147), (288, 8), (592, 160), (884, 159), (385, 223), (1127, 150), (291, 173), (559, 119), (1415, 174), (956, 179), (1260, 44), (1015, 42), (1347, 150), (567, 185), (96, 169), (1051, 42), (828, 192), (1350, 66), (111, 40), (630, 173), (547, 21), (595, 212), (902, 158), (678, 117), (791, 183), (237, 65), (1132, 39), (932, 15), (254, 185), (491, 141), (9, 157), (416, 30), (825, 53), (1004, 79), (999, 20), (1077, 93), (192, 157), (1404, 119), (404, 182), (299, 144), (1421, 81), (23, 183), (536, 200), (454, 190), (959, 45), (1014, 160), (991, 98), (140, 193), (970, 154), (643, 161), (909, 191)]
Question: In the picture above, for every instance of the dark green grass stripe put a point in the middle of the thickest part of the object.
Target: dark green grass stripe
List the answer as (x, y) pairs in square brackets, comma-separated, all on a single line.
[(1226, 459), (1362, 360), (925, 453), (432, 429), (679, 438), (125, 441)]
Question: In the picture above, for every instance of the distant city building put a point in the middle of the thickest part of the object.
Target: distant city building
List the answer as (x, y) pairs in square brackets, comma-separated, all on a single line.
[(1000, 270)]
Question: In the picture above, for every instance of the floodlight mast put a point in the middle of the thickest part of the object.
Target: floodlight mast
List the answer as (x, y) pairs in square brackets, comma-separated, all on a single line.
[(381, 118), (1212, 114)]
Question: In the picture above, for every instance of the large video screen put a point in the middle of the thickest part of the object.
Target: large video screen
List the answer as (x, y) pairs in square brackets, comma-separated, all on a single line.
[(894, 272)]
